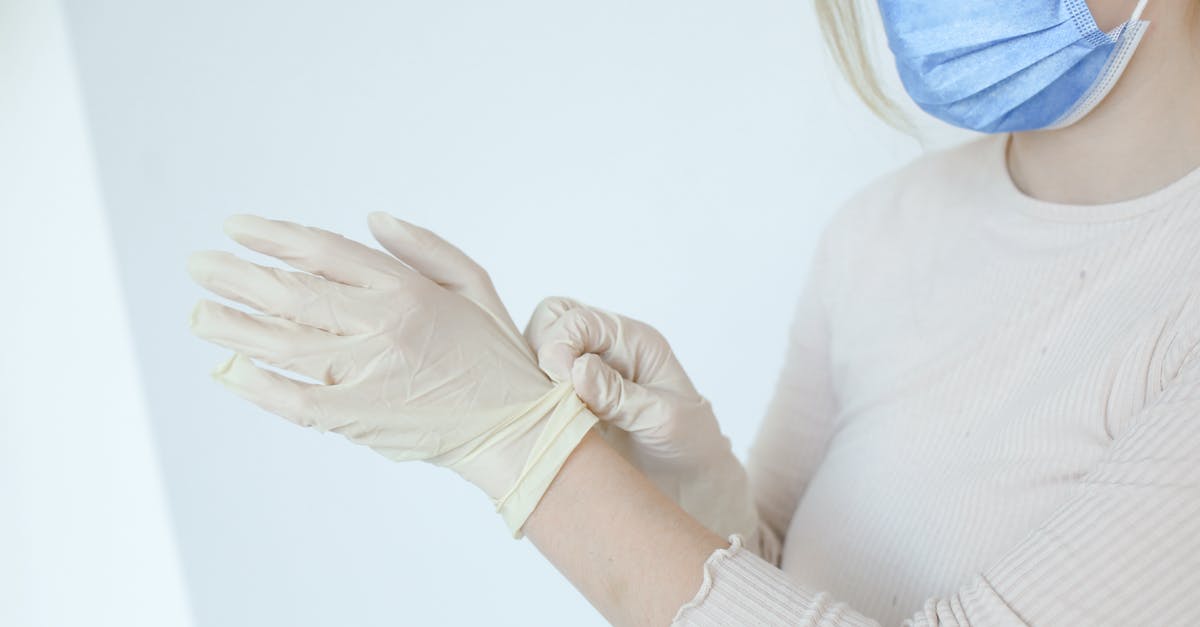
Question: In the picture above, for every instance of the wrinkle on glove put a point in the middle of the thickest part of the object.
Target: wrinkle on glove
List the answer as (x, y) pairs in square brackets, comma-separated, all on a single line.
[(556, 422), (414, 367)]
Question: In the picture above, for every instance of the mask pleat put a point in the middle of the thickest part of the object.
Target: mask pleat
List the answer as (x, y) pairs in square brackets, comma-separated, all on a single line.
[(1034, 103), (925, 28), (957, 74), (997, 66), (1043, 108)]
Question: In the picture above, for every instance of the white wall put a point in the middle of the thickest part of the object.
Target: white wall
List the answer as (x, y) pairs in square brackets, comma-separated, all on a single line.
[(671, 160), (84, 532)]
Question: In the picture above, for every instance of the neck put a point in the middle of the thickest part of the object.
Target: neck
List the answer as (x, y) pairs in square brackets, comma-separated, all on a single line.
[(1143, 136)]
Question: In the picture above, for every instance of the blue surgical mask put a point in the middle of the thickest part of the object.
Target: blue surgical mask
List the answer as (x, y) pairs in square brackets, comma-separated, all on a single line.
[(996, 66)]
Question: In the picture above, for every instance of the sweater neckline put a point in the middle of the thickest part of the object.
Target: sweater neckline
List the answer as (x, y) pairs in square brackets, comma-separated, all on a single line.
[(1082, 213)]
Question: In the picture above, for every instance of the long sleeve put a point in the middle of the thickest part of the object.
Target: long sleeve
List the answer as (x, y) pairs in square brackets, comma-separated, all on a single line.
[(792, 438), (1124, 549)]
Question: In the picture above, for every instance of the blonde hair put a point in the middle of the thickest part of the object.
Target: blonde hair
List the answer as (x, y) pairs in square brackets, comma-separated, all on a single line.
[(841, 25)]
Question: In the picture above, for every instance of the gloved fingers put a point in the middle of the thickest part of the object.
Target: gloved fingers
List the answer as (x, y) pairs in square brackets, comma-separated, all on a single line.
[(276, 341), (319, 252), (294, 400), (580, 330), (436, 259), (302, 298), (544, 316), (610, 396), (554, 357)]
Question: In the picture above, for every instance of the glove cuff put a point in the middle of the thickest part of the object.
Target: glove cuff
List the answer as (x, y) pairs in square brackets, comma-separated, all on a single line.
[(567, 422)]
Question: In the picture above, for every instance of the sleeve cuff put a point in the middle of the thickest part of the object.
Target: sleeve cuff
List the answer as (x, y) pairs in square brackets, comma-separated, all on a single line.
[(740, 588)]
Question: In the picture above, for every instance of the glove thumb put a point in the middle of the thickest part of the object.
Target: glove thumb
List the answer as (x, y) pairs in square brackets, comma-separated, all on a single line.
[(611, 397)]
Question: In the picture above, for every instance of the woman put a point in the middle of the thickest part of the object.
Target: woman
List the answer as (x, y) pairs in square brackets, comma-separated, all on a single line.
[(990, 409)]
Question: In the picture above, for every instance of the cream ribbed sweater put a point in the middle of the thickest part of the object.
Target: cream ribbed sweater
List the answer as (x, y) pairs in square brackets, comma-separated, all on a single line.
[(989, 415)]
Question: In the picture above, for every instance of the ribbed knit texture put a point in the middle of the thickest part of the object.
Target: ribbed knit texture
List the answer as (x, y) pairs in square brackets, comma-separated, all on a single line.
[(989, 414)]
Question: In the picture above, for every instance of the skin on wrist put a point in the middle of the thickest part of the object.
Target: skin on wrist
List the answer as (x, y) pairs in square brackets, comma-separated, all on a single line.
[(632, 552)]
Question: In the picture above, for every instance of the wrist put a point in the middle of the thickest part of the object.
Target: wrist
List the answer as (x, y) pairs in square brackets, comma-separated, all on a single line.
[(636, 555), (554, 437), (515, 461)]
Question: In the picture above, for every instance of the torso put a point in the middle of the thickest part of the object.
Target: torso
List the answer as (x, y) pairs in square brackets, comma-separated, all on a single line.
[(986, 349)]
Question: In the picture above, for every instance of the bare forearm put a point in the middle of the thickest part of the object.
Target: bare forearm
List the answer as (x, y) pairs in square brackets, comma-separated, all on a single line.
[(630, 550)]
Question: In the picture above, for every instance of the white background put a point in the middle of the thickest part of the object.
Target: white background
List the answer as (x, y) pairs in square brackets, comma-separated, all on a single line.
[(670, 160), (84, 532)]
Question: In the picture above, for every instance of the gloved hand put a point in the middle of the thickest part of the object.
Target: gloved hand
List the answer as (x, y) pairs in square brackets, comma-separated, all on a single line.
[(414, 354), (626, 373)]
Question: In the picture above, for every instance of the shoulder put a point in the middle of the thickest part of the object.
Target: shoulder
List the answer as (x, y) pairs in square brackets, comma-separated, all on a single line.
[(896, 210), (933, 181)]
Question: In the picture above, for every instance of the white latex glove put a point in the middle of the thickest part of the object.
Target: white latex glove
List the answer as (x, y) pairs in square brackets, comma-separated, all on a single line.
[(414, 354), (626, 373)]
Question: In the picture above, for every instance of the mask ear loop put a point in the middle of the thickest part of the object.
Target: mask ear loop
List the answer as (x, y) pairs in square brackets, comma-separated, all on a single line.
[(1137, 11)]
